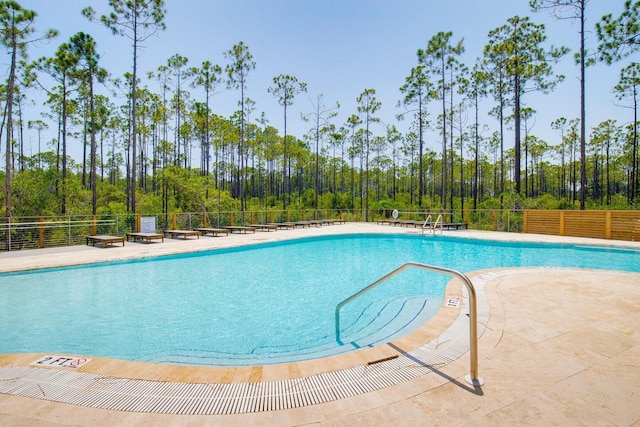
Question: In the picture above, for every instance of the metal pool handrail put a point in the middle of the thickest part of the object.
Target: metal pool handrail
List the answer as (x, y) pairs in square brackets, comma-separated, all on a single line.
[(473, 377), (432, 227)]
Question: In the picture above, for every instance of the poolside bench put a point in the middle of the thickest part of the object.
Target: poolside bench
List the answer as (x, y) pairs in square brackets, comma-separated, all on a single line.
[(145, 237), (283, 225), (456, 225), (302, 224), (105, 240), (411, 223), (332, 221), (213, 231), (447, 225), (393, 222), (184, 233), (240, 229), (264, 227)]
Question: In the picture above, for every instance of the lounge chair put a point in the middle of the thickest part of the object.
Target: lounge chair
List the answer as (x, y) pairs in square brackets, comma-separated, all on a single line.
[(302, 224), (145, 237), (240, 229), (264, 227), (456, 225), (213, 231), (283, 225), (183, 233), (105, 240)]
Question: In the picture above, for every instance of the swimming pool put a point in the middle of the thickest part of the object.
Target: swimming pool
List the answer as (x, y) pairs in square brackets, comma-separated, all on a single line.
[(262, 304)]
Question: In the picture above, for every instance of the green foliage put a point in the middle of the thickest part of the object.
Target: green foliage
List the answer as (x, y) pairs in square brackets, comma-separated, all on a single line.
[(78, 198), (247, 170), (513, 200), (221, 201), (545, 201), (566, 204), (109, 194), (618, 37), (34, 194), (148, 202), (383, 206), (339, 201), (618, 201), (403, 201), (186, 188), (308, 198)]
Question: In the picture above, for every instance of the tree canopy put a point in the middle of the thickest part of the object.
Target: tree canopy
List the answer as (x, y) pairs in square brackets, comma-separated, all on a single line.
[(156, 141)]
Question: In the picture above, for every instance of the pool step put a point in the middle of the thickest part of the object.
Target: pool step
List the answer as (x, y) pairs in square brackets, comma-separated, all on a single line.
[(382, 322), (378, 323)]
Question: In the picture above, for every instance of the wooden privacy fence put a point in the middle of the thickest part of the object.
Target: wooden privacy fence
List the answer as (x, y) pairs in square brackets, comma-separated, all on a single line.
[(615, 225)]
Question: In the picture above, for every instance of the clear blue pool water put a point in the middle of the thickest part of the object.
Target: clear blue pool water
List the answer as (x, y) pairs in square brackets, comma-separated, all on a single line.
[(262, 304)]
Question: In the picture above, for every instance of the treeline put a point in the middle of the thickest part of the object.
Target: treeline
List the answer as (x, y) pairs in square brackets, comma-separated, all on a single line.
[(167, 151)]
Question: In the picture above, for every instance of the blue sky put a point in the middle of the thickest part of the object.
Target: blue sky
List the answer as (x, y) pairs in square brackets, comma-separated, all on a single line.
[(339, 48)]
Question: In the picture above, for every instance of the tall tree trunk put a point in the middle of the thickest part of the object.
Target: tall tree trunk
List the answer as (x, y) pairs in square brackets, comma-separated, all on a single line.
[(421, 151), (285, 174), (516, 171), (84, 150), (477, 147), (583, 155), (608, 184), (94, 169), (134, 103), (9, 142), (634, 155)]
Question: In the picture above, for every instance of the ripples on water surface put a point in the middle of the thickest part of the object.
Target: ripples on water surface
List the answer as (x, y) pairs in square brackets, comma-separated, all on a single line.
[(262, 304)]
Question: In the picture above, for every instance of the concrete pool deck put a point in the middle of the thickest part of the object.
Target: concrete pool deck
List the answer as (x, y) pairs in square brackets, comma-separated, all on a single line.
[(558, 348)]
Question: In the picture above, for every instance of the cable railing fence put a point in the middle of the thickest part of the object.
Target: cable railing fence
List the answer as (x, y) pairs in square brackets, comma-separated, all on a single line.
[(54, 231)]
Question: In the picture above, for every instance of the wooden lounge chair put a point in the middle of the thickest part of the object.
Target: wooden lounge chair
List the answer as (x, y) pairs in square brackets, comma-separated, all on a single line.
[(213, 231), (145, 237), (105, 240), (184, 233), (413, 223), (284, 225), (240, 229), (302, 224), (456, 225), (264, 227)]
